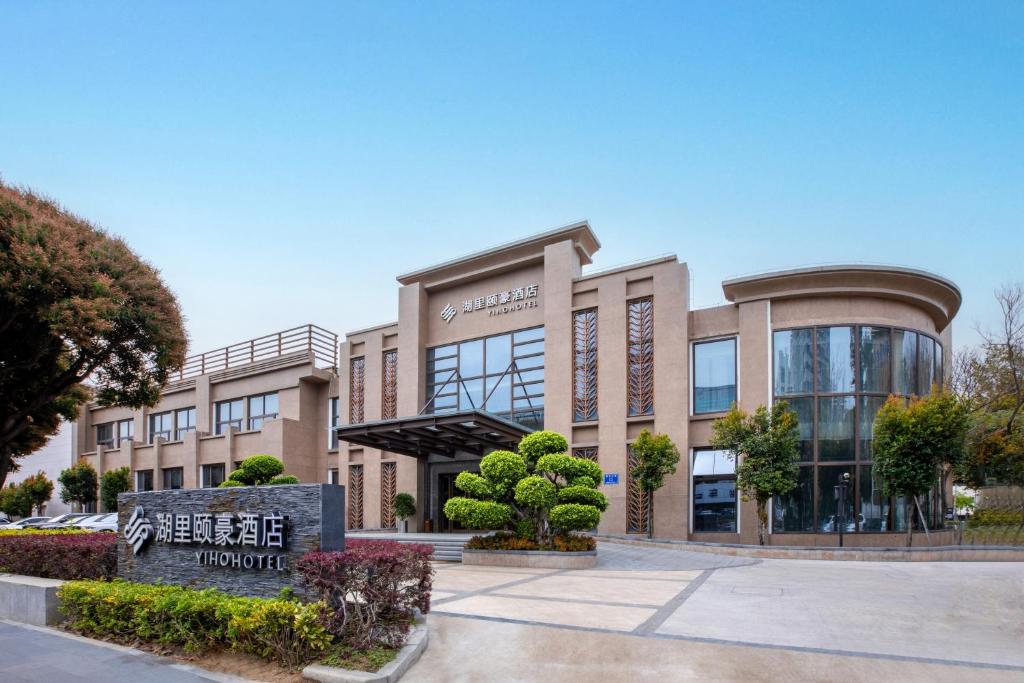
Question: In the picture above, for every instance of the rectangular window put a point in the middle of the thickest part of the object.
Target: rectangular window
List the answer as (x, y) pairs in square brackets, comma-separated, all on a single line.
[(640, 358), (105, 435), (794, 362), (875, 357), (227, 415), (332, 476), (173, 477), (160, 426), (144, 480), (714, 375), (835, 364), (389, 385), (904, 345), (795, 510), (714, 491), (585, 452), (925, 365), (584, 361), (835, 428), (184, 422), (335, 419), (213, 475), (125, 431), (804, 409), (261, 409), (356, 390)]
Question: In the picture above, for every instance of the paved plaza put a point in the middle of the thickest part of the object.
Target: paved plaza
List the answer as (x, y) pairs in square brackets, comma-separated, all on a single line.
[(647, 613)]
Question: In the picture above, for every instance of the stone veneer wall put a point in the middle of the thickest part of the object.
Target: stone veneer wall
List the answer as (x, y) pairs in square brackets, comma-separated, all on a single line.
[(316, 521)]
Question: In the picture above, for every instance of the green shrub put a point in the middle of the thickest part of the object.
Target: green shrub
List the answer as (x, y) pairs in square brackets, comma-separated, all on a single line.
[(228, 483), (279, 629), (503, 469), (583, 495), (478, 514), (538, 444), (474, 486), (262, 468), (575, 517), (536, 492), (112, 483), (282, 479), (526, 528), (405, 505), (569, 468)]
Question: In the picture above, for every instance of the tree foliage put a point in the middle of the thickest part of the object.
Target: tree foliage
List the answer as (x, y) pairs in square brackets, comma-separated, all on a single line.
[(912, 442), (540, 491), (405, 505), (75, 303), (78, 483), (38, 488), (765, 445), (656, 458), (15, 501), (112, 483)]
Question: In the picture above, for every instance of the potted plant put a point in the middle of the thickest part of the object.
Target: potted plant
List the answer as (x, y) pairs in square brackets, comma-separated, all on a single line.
[(405, 507)]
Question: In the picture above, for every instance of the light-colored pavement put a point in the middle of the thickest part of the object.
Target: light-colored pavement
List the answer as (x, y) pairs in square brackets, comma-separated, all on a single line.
[(647, 613), (36, 655)]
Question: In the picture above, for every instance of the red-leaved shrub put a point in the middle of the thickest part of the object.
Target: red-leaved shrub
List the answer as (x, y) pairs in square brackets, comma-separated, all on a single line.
[(64, 556), (372, 588)]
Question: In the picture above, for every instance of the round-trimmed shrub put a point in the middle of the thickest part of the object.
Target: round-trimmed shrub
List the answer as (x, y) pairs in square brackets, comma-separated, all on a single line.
[(503, 469), (538, 444), (284, 479), (478, 514), (575, 517), (405, 505), (584, 496), (474, 486), (536, 492), (228, 483), (526, 529), (568, 467), (261, 468)]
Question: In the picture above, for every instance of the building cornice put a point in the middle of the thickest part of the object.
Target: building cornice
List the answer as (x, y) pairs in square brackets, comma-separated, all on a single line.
[(936, 295)]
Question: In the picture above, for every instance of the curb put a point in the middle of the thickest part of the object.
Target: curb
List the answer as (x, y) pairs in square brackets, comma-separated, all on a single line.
[(389, 673)]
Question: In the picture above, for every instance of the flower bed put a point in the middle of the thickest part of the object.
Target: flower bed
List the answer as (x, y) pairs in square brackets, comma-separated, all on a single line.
[(59, 555), (508, 541), (42, 532)]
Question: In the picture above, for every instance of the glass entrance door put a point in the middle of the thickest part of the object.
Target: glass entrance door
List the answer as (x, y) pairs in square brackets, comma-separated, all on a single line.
[(445, 490)]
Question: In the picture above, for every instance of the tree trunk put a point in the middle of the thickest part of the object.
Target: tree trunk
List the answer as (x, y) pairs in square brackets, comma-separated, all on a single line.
[(762, 520), (5, 463), (908, 515)]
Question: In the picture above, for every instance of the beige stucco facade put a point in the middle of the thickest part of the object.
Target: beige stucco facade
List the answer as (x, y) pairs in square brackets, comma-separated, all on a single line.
[(536, 285)]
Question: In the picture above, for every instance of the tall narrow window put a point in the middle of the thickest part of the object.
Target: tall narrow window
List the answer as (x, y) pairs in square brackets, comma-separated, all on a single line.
[(584, 365), (105, 435), (637, 518), (160, 426), (213, 475), (173, 477), (262, 408), (335, 418), (355, 497), (389, 390), (714, 491), (144, 480), (356, 389), (227, 415), (714, 375), (184, 422), (388, 489), (640, 358), (125, 431)]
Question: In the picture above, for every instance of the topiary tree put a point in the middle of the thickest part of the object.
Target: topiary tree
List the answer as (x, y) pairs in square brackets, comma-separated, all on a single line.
[(76, 305), (656, 457), (259, 470), (38, 488), (911, 443), (78, 484), (112, 483), (405, 506), (540, 491), (765, 445)]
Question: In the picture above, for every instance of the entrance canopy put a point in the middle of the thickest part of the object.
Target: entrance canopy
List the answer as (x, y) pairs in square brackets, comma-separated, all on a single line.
[(468, 431)]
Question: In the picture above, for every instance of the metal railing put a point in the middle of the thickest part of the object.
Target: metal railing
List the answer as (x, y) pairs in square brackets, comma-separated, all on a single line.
[(323, 344)]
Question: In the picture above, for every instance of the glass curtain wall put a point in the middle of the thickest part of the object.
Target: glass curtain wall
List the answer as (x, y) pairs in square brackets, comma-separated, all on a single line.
[(836, 379), (502, 374)]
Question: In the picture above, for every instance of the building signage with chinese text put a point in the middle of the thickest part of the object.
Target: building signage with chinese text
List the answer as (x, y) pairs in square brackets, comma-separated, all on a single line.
[(496, 303)]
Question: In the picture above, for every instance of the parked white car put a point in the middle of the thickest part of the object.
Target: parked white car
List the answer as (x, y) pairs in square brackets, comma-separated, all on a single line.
[(104, 522), (27, 523), (66, 520)]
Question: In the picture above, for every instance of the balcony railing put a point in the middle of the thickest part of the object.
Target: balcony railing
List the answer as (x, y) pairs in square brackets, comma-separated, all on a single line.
[(321, 343)]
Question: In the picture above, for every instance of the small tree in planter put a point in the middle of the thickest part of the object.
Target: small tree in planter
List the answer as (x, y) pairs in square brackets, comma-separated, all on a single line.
[(78, 484), (39, 489), (540, 490), (656, 457), (405, 507), (765, 445), (259, 470), (112, 483)]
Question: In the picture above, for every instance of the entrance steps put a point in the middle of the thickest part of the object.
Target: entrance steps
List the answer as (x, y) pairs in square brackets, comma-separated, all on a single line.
[(447, 547)]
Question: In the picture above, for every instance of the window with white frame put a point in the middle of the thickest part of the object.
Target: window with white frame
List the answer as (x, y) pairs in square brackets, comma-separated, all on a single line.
[(714, 491)]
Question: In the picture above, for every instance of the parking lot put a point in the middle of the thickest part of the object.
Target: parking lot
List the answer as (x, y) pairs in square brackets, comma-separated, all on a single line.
[(680, 614)]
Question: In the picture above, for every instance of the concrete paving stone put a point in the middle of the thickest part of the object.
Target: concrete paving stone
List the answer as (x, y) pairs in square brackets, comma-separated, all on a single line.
[(630, 557), (641, 575), (615, 618), (618, 590), (472, 581)]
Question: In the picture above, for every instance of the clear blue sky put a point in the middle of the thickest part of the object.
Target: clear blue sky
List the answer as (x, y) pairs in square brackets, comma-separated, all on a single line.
[(281, 163)]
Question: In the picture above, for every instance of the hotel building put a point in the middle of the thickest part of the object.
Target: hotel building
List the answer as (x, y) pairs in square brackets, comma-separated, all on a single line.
[(491, 345)]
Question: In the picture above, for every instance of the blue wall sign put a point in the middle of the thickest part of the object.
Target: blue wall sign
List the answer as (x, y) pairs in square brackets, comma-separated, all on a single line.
[(612, 478)]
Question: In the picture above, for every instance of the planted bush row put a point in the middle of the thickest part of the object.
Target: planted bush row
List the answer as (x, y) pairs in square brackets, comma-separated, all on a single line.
[(60, 555), (509, 541)]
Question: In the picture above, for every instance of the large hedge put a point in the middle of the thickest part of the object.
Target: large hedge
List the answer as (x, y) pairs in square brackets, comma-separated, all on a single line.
[(540, 492), (59, 555)]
